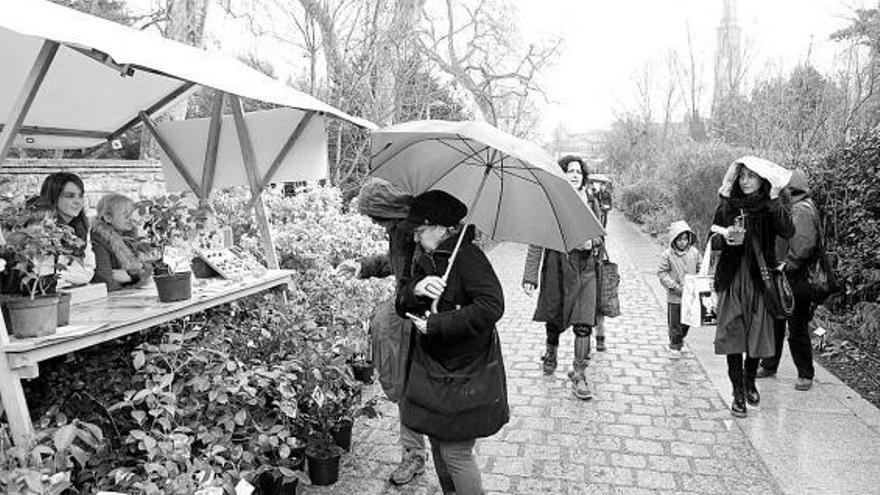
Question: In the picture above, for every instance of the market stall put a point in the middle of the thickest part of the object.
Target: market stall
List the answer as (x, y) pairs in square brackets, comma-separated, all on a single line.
[(72, 80)]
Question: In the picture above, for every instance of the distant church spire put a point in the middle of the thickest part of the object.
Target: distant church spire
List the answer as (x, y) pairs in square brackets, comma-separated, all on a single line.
[(728, 58)]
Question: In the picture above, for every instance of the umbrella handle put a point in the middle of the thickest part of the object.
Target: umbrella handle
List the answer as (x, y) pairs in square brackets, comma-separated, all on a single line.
[(449, 265)]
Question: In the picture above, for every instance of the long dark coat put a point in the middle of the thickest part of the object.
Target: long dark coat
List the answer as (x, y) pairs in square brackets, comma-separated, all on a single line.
[(458, 334), (744, 323), (568, 282)]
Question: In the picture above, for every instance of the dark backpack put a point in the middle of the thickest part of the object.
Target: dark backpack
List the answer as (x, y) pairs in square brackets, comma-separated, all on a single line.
[(821, 277)]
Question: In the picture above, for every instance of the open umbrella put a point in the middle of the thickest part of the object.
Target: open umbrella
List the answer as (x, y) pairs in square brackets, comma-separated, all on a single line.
[(514, 189)]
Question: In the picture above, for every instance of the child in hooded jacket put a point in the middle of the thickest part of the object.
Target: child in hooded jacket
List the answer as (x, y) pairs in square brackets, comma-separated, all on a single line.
[(679, 259)]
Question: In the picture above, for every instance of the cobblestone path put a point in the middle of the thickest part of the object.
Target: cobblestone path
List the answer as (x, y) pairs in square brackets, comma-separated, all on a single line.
[(655, 425)]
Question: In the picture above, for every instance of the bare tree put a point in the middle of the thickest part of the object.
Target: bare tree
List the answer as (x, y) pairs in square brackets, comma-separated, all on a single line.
[(473, 42)]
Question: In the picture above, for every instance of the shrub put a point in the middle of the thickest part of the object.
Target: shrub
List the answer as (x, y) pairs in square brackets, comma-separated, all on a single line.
[(639, 199), (844, 186)]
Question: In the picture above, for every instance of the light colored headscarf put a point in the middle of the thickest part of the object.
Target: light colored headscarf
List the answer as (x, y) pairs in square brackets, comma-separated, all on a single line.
[(776, 174)]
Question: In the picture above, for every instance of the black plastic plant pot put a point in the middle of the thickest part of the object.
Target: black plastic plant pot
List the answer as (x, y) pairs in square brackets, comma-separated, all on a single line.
[(273, 482), (174, 287), (342, 435), (363, 372), (323, 471)]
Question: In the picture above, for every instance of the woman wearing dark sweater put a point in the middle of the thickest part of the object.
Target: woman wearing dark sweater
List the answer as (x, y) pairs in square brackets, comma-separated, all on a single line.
[(749, 200), (116, 263)]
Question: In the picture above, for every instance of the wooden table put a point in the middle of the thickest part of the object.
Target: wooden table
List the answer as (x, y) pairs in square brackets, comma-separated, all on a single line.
[(120, 313)]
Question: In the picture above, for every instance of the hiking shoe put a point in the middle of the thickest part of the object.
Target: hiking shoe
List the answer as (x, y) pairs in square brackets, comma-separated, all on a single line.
[(600, 344), (410, 466), (803, 384), (549, 360), (765, 373), (581, 389), (674, 353)]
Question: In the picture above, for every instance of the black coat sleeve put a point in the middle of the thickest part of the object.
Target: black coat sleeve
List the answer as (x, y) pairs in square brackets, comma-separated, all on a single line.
[(484, 296)]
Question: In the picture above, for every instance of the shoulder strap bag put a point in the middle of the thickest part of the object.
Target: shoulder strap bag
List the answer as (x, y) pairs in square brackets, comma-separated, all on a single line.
[(778, 295)]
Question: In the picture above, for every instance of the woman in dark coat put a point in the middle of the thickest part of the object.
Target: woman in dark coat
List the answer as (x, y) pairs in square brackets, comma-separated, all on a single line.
[(116, 264), (749, 199), (456, 342), (568, 294)]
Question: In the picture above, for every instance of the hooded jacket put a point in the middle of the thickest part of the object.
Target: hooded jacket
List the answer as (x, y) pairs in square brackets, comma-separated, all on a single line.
[(800, 249), (675, 263)]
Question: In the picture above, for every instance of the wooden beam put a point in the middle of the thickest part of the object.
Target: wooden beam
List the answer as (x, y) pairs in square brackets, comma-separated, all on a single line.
[(155, 107), (166, 147), (210, 167), (250, 164), (26, 97), (285, 150), (34, 130)]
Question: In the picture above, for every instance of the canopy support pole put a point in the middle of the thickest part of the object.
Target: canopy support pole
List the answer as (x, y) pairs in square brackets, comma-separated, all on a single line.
[(285, 150), (175, 160), (250, 164), (26, 97), (210, 167)]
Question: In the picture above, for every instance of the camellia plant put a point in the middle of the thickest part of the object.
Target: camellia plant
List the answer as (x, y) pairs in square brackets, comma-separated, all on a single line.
[(171, 225), (35, 250)]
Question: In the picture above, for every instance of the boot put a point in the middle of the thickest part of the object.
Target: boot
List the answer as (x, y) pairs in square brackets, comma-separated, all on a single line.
[(738, 407), (753, 398), (579, 386), (549, 359), (600, 343)]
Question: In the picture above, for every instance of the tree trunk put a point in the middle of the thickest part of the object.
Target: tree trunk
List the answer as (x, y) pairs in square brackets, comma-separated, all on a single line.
[(186, 24)]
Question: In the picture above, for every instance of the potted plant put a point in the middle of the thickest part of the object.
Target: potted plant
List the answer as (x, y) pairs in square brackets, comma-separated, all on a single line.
[(356, 344), (171, 225), (35, 250)]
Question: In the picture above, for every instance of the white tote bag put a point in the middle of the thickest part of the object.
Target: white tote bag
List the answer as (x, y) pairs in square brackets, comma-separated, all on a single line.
[(698, 300)]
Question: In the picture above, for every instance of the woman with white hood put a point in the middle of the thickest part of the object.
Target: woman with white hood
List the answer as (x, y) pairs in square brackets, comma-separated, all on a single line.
[(749, 217)]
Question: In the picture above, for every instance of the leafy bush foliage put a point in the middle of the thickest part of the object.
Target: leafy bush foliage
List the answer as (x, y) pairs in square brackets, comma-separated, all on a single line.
[(639, 199), (845, 185)]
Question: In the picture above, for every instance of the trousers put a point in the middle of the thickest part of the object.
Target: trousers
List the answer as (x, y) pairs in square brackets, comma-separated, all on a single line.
[(456, 467)]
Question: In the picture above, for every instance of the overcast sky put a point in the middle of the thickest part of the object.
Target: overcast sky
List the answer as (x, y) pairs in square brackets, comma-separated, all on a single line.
[(608, 42)]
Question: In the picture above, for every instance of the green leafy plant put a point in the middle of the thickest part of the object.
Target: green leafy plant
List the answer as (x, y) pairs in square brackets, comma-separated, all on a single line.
[(171, 225), (47, 463), (36, 250)]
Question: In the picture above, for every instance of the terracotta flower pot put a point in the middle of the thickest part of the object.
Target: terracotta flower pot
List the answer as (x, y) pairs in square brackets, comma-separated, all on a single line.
[(63, 308), (174, 287), (28, 318)]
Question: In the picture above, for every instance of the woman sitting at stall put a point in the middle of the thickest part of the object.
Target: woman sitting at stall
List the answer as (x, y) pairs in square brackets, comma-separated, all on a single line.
[(62, 193), (117, 264)]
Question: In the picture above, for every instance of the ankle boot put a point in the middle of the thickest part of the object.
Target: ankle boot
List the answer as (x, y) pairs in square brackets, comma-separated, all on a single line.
[(738, 407), (753, 398), (579, 386), (600, 343), (549, 359)]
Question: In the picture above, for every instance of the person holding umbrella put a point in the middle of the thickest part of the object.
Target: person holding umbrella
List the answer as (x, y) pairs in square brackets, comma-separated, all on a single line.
[(456, 389), (568, 291)]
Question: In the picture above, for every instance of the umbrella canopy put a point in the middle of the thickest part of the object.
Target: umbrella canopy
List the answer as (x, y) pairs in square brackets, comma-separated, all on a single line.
[(514, 189), (103, 74)]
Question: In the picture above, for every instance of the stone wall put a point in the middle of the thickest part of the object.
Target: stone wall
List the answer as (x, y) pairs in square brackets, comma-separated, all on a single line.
[(134, 178)]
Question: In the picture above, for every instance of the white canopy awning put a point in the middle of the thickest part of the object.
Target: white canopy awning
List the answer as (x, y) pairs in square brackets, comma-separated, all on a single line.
[(103, 74), (270, 130)]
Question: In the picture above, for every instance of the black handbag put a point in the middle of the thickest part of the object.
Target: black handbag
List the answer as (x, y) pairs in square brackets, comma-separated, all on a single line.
[(778, 296), (466, 403), (607, 287)]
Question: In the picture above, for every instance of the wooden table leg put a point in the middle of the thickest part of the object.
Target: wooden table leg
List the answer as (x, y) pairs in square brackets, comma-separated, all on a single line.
[(14, 402)]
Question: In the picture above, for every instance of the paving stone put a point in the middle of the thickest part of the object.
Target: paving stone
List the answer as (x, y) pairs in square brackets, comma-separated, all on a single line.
[(654, 426)]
